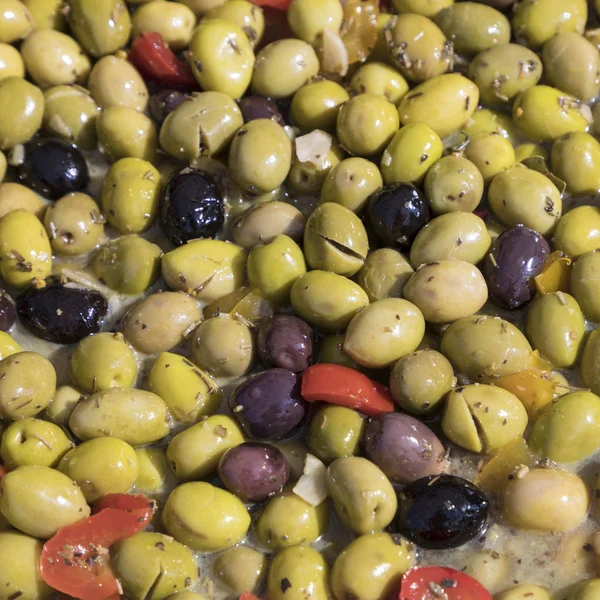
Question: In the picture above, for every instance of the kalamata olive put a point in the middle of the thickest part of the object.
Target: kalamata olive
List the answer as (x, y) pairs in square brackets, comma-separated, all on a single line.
[(8, 311), (61, 313), (191, 206), (268, 405), (403, 448), (257, 107), (254, 471), (441, 511), (286, 342), (396, 213), (164, 102), (515, 258), (53, 168)]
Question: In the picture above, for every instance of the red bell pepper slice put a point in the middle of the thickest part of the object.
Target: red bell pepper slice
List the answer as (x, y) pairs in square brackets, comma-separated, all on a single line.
[(249, 596), (429, 583), (155, 61), (344, 386), (138, 505)]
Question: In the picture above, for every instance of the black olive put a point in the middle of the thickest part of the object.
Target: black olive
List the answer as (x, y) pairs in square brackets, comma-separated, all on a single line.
[(8, 312), (53, 168), (61, 313), (192, 206), (164, 102), (395, 214), (441, 511), (257, 107)]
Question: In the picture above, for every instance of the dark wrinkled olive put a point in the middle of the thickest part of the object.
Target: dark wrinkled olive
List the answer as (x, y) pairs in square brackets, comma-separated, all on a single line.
[(268, 405), (515, 258), (441, 511), (164, 102), (254, 471), (257, 107), (396, 213), (61, 313), (286, 342), (403, 448), (191, 206), (53, 168), (8, 312)]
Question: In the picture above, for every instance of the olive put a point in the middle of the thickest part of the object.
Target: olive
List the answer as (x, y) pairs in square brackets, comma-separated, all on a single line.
[(441, 511), (515, 258), (254, 471), (53, 168), (396, 213), (191, 207), (257, 107), (286, 342), (164, 102), (61, 313), (268, 405), (8, 312)]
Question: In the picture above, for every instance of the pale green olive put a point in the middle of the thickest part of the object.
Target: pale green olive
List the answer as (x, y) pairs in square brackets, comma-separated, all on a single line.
[(384, 273), (490, 568), (578, 231), (309, 18), (154, 470), (380, 79), (525, 592), (62, 405), (240, 569), (8, 345), (573, 159), (490, 153)]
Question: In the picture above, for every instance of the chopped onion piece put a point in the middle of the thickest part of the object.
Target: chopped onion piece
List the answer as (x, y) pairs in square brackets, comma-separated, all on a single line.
[(313, 147), (312, 486), (334, 55)]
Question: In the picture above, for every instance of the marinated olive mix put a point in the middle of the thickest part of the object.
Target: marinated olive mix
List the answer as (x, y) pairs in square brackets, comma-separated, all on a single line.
[(299, 299)]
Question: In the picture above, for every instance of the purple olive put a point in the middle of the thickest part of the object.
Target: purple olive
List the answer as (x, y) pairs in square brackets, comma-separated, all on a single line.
[(286, 342), (164, 102), (257, 107), (268, 405), (515, 258), (8, 311), (254, 471), (403, 448)]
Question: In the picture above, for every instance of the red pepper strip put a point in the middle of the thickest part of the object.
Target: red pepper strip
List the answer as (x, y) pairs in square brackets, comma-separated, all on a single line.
[(3, 471), (138, 505), (76, 560), (432, 583), (249, 596), (154, 60), (344, 386)]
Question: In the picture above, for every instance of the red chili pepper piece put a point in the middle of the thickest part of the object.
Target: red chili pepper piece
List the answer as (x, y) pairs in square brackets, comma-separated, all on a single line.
[(433, 583)]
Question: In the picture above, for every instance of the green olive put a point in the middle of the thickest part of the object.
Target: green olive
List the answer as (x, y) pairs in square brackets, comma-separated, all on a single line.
[(447, 290), (453, 184), (154, 470), (174, 21), (11, 62), (384, 331), (47, 14), (503, 72), (14, 196), (240, 569), (371, 566), (27, 384), (246, 303), (457, 235), (327, 300), (288, 520), (444, 103), (22, 111), (100, 26), (366, 124), (546, 500), (65, 399), (316, 105), (217, 519), (199, 7), (33, 442), (384, 273), (309, 18), (331, 350), (8, 345), (427, 8), (134, 416), (543, 208), (556, 327), (486, 120), (589, 367), (151, 566), (243, 13), (16, 21), (525, 592), (101, 466), (577, 232), (130, 195), (39, 501), (195, 452), (221, 57), (20, 559), (586, 590), (351, 182), (484, 346), (307, 176), (544, 113), (574, 158), (490, 153), (335, 432), (529, 150), (410, 154), (420, 381), (483, 418), (301, 568), (380, 79), (490, 568), (363, 497)]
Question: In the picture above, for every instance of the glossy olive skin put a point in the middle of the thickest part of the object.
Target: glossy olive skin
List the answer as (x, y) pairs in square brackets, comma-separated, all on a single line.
[(403, 448), (441, 511), (8, 311), (271, 404), (61, 314), (254, 471), (191, 207), (53, 168), (257, 107), (164, 102), (396, 213), (285, 342), (515, 258)]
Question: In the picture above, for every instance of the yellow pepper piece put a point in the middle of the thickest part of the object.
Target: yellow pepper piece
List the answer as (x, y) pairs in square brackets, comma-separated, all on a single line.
[(555, 275), (538, 363)]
